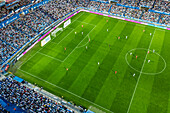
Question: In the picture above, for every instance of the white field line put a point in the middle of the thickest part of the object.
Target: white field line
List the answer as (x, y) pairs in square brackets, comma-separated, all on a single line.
[(65, 37), (50, 56), (30, 58), (72, 22), (71, 28), (85, 43), (66, 91), (78, 45), (140, 74), (86, 23), (54, 42), (44, 46)]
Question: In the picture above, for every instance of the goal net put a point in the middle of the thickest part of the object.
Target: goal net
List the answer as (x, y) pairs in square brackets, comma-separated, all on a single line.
[(55, 31)]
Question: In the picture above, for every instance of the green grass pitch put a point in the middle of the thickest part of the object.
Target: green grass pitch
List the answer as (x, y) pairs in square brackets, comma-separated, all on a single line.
[(89, 84)]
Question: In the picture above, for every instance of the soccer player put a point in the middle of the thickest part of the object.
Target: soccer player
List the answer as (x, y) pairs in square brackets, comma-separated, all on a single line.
[(143, 30), (86, 47), (66, 70), (64, 49), (115, 72), (136, 57), (98, 63), (118, 37), (126, 37), (89, 39), (133, 74), (75, 32), (107, 30), (131, 53), (153, 51), (82, 33), (150, 34), (148, 52), (149, 61)]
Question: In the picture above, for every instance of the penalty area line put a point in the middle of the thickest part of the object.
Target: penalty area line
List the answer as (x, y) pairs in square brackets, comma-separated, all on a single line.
[(86, 23), (29, 58), (65, 90), (78, 45), (69, 28), (85, 43), (50, 57), (140, 74)]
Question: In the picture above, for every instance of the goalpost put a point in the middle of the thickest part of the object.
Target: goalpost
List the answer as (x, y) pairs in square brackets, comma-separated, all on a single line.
[(55, 31)]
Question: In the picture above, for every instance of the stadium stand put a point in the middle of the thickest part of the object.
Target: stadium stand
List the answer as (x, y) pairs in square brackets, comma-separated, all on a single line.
[(28, 99), (161, 5), (3, 110), (146, 3), (11, 7)]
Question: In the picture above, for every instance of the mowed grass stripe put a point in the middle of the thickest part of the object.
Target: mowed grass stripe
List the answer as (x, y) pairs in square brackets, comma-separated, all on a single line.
[(165, 48), (60, 71), (161, 85), (126, 88), (90, 69), (157, 46), (38, 61), (142, 95), (112, 82), (98, 80), (144, 43), (82, 60)]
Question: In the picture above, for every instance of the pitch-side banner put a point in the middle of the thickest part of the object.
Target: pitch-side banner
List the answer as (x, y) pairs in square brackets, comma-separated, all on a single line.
[(47, 39), (67, 23)]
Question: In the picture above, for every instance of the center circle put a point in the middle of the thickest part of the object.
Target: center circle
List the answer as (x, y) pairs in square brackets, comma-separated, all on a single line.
[(143, 49)]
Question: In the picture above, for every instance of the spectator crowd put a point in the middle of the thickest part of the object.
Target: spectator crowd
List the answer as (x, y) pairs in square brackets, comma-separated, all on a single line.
[(19, 32), (5, 11), (28, 99)]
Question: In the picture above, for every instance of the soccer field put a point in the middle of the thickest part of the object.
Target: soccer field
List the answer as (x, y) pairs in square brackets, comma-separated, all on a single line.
[(128, 78)]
